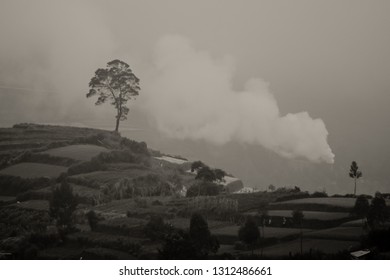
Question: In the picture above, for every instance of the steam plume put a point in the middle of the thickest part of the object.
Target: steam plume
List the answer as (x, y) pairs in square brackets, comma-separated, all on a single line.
[(191, 97)]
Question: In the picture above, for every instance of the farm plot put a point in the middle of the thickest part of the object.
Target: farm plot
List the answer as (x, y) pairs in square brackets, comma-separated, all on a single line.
[(86, 193), (354, 223), (77, 152), (338, 233), (183, 223), (106, 177), (112, 241), (293, 247), (347, 202), (311, 215), (229, 234), (33, 170), (137, 208)]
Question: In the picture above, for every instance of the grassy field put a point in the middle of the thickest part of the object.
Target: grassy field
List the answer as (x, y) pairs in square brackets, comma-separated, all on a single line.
[(315, 215), (229, 234), (106, 177), (347, 202), (27, 136), (82, 191), (326, 246), (183, 223), (338, 233), (138, 208), (77, 152), (33, 170)]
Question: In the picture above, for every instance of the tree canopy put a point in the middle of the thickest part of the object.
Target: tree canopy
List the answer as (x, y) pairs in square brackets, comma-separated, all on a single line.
[(62, 205), (377, 213), (361, 206), (117, 84), (249, 233)]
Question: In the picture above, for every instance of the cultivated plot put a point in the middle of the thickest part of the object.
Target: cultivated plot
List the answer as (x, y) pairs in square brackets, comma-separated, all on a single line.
[(33, 170), (77, 152)]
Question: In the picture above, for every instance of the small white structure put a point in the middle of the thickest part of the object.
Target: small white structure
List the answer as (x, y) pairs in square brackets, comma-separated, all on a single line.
[(359, 254), (171, 159)]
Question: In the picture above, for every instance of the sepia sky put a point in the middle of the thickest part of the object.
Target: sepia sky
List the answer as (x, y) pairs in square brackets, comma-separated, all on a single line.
[(330, 59)]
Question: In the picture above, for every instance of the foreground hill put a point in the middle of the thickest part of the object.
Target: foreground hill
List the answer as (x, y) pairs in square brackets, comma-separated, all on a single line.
[(126, 184)]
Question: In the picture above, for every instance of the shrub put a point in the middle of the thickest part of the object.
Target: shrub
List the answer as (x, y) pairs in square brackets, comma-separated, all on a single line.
[(249, 233), (134, 146), (93, 219), (156, 229), (201, 237), (62, 205), (142, 203), (157, 202), (319, 194), (202, 188)]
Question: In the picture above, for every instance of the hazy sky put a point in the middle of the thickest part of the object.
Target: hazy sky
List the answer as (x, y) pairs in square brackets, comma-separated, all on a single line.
[(330, 59)]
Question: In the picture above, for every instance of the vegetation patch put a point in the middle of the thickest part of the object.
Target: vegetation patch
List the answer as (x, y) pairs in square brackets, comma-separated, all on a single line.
[(14, 185)]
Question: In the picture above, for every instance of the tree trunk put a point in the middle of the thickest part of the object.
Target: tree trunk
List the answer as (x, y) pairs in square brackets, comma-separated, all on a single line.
[(354, 193), (117, 123), (301, 242)]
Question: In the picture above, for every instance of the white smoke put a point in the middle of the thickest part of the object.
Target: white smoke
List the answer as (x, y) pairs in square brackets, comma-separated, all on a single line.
[(191, 97)]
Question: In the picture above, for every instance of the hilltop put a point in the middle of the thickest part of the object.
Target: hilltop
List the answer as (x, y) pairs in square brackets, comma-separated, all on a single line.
[(126, 184)]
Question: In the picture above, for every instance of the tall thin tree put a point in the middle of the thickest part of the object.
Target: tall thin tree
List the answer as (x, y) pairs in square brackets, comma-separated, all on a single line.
[(355, 174)]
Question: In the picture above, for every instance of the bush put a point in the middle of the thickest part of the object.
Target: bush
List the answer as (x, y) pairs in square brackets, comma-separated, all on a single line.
[(156, 229), (62, 205), (157, 202), (319, 194), (196, 243), (203, 188), (142, 203), (249, 233), (93, 219), (134, 146), (201, 237)]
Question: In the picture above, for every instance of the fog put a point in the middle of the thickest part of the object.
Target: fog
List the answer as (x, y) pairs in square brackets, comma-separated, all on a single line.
[(305, 80), (192, 97), (48, 52)]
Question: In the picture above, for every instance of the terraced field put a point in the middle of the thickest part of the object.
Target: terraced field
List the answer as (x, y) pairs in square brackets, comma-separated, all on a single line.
[(316, 215), (33, 170), (77, 152), (105, 177), (347, 202), (81, 191), (229, 234), (338, 233)]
